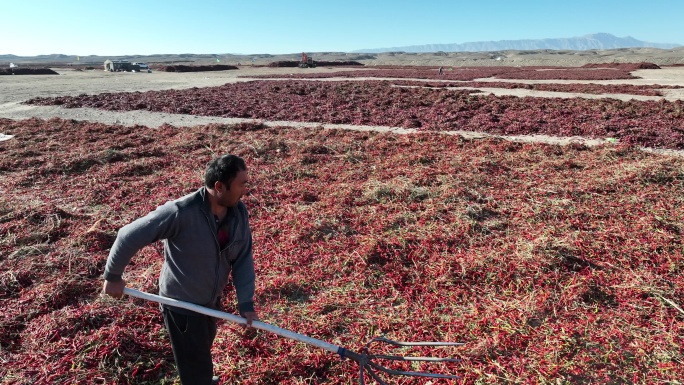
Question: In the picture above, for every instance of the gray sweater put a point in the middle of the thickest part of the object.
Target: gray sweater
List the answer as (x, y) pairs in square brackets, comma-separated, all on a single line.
[(195, 268)]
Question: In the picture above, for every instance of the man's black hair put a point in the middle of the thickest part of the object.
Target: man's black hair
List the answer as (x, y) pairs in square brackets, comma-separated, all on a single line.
[(223, 169)]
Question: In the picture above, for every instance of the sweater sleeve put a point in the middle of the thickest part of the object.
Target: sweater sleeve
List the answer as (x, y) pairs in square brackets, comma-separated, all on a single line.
[(243, 275), (159, 224)]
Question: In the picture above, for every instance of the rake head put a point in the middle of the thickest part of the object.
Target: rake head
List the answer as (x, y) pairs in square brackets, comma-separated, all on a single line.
[(367, 364)]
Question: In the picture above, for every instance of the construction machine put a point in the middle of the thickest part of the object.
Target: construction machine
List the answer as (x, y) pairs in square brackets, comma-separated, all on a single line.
[(307, 61)]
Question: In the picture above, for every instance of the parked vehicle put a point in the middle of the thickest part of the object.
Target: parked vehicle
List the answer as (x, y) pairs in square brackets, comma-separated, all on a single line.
[(307, 61)]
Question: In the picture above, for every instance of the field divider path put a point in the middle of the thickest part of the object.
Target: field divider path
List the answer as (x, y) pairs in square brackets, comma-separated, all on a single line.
[(96, 82), (19, 111), (669, 94)]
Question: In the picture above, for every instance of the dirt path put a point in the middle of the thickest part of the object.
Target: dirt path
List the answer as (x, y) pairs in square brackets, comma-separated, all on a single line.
[(17, 89)]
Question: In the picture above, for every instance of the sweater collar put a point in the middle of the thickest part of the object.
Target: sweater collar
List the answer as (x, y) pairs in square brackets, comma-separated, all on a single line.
[(206, 205)]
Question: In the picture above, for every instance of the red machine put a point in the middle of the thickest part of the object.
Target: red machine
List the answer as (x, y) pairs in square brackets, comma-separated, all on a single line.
[(307, 62)]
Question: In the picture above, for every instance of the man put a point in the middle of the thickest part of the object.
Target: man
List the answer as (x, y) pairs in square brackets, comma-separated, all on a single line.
[(206, 236)]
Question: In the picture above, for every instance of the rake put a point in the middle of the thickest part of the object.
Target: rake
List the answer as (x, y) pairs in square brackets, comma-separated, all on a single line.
[(365, 359)]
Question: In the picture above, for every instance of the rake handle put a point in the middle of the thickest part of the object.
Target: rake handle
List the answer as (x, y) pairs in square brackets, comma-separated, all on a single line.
[(237, 319)]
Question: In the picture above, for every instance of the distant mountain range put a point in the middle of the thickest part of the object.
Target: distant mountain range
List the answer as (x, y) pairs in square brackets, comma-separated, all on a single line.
[(429, 53), (597, 41)]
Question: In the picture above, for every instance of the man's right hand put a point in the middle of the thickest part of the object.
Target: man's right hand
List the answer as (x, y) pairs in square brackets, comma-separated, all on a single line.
[(114, 289)]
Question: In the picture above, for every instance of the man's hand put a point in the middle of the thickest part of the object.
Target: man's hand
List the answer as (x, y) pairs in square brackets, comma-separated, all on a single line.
[(114, 289), (249, 316)]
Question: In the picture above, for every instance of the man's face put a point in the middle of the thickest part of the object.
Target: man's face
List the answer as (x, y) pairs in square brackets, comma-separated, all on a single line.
[(238, 188)]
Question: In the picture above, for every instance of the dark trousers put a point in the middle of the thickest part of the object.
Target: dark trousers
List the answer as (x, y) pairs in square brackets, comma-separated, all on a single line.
[(191, 339)]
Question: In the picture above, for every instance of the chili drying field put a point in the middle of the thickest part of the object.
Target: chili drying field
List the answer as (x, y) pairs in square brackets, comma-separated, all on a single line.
[(526, 221)]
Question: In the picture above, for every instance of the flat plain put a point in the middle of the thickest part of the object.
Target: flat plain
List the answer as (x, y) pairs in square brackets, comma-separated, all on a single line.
[(556, 259)]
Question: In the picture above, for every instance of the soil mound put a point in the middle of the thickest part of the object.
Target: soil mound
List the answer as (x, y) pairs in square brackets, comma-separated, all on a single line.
[(294, 63), (27, 71), (198, 68), (624, 66)]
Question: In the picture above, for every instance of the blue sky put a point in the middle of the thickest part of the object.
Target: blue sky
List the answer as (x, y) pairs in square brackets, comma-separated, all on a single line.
[(144, 27)]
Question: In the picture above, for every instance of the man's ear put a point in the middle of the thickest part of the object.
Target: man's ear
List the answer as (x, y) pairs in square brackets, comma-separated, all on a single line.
[(220, 186)]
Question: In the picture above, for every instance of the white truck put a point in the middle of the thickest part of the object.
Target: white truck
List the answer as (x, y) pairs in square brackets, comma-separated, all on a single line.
[(143, 67)]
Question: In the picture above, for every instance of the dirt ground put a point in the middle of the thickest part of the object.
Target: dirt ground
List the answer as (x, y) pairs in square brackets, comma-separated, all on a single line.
[(17, 89)]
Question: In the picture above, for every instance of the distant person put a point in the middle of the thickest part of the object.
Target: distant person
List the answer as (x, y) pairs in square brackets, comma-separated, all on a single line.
[(206, 237), (440, 71)]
